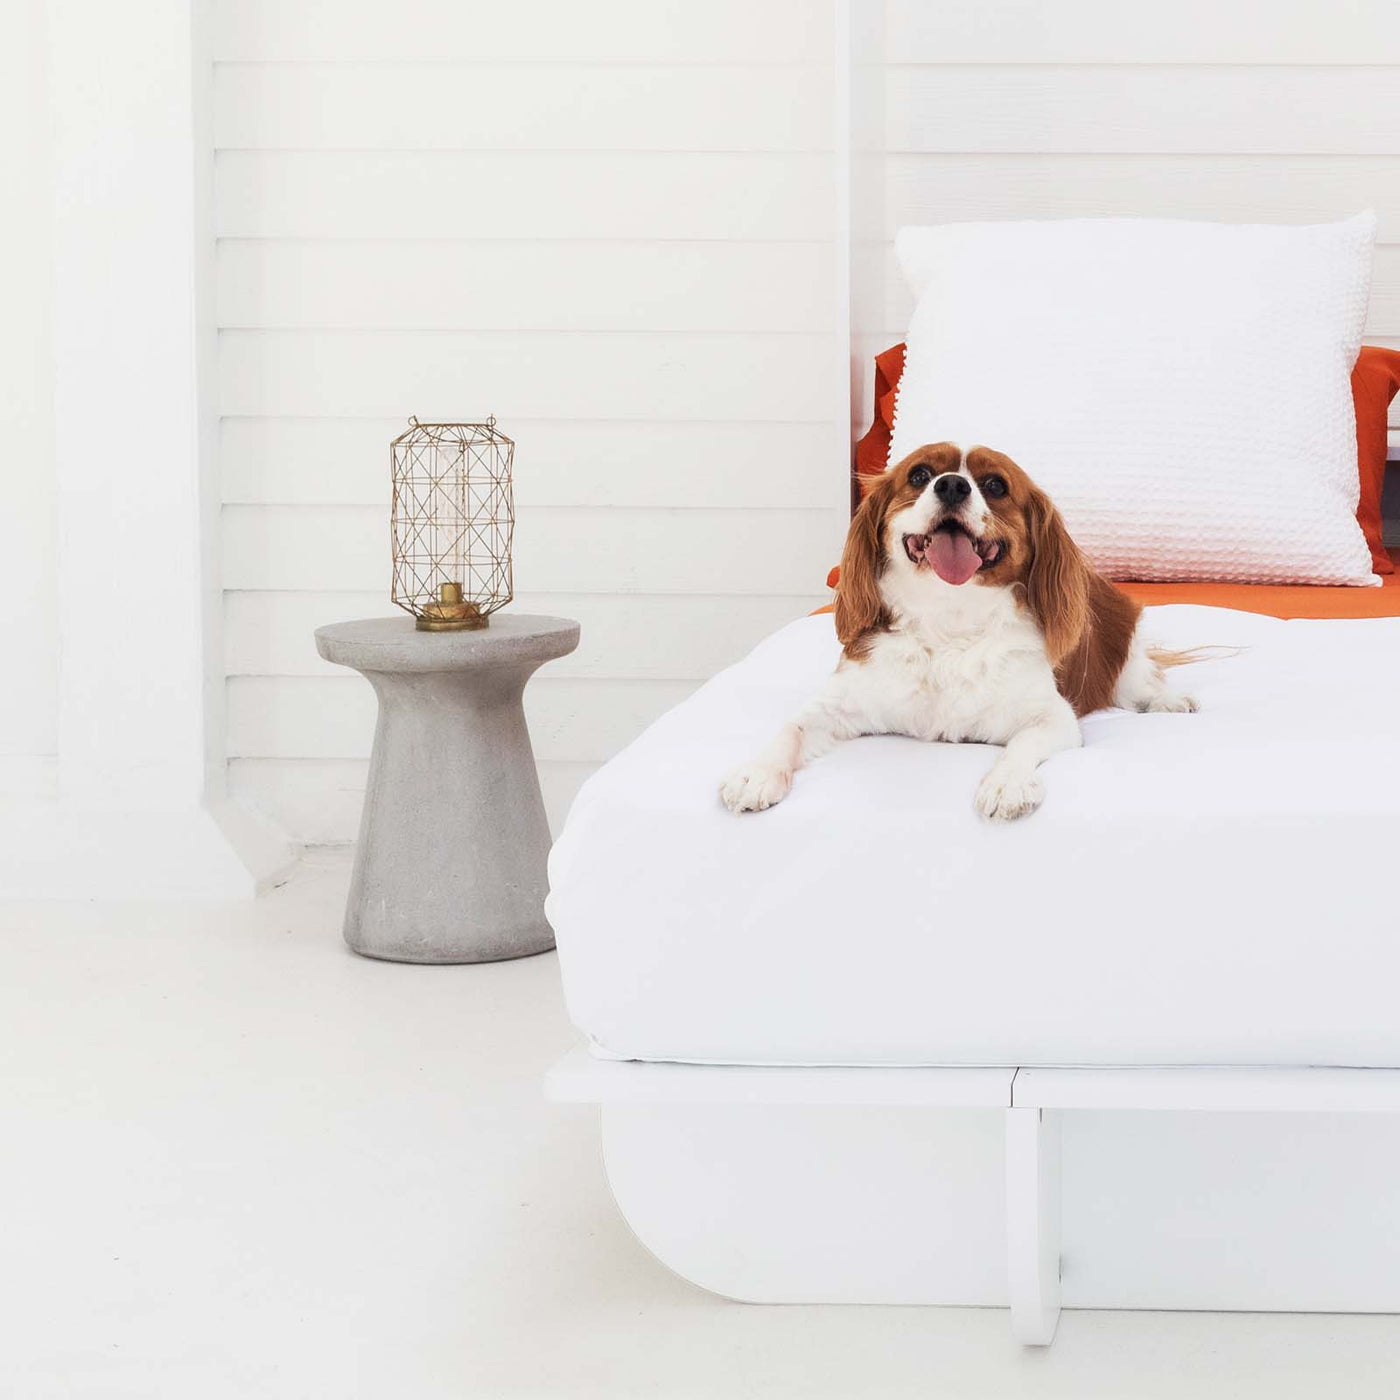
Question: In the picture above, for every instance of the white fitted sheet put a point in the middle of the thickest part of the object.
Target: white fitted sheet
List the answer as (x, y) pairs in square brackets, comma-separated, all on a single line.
[(1218, 888)]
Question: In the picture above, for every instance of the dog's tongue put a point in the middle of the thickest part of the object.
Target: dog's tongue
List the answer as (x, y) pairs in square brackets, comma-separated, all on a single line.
[(953, 558)]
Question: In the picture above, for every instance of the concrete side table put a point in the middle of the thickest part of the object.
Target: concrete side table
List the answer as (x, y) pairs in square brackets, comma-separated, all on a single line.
[(450, 865)]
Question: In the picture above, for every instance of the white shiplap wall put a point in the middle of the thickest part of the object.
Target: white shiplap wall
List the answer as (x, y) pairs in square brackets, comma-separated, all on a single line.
[(612, 226), (1269, 110)]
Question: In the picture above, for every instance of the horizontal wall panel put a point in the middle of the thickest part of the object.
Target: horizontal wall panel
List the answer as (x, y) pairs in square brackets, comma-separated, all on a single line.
[(333, 717), (1383, 318), (533, 31), (345, 461), (447, 375), (1225, 110), (624, 637), (540, 285), (1109, 31), (520, 107), (556, 551), (935, 189), (524, 194), (319, 799)]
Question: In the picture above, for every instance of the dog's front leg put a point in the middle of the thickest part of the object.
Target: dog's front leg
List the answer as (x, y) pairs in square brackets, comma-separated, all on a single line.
[(1012, 787), (817, 728)]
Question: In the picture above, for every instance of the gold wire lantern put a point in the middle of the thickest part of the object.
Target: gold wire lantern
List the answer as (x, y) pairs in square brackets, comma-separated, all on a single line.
[(453, 523)]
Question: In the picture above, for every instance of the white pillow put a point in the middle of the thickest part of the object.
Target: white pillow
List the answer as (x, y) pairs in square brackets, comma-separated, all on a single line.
[(1182, 391)]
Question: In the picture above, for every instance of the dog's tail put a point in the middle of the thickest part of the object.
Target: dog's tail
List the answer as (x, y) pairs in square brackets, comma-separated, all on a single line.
[(1167, 657)]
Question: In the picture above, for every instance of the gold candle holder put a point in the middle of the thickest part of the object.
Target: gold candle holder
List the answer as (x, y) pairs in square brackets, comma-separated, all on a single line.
[(451, 613)]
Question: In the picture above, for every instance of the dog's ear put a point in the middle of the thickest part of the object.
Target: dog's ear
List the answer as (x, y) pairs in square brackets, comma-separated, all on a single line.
[(1057, 585), (859, 607)]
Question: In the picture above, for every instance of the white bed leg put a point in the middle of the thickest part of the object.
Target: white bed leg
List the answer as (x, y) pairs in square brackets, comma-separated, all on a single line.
[(1033, 1223)]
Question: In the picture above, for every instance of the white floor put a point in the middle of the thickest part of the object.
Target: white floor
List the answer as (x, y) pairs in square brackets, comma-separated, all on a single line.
[(238, 1161)]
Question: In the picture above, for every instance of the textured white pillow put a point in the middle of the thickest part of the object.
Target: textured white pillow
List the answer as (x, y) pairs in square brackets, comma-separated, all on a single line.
[(1182, 391)]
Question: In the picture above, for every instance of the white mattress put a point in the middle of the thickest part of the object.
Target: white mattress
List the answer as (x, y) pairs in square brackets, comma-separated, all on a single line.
[(1218, 888)]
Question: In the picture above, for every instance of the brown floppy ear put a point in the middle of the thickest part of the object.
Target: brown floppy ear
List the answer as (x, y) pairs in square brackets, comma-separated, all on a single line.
[(859, 606), (1057, 588)]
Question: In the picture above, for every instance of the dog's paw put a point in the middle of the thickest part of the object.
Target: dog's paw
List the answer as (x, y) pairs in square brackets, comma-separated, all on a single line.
[(1169, 702), (1004, 796), (754, 787)]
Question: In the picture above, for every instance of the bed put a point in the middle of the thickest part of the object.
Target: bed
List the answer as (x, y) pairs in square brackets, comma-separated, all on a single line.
[(1139, 1051), (1165, 1073), (1186, 1095)]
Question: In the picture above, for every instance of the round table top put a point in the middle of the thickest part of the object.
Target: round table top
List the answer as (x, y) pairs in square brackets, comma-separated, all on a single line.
[(395, 644)]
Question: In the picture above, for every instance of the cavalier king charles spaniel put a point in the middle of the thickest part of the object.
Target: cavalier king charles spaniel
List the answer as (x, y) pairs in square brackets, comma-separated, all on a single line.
[(966, 613)]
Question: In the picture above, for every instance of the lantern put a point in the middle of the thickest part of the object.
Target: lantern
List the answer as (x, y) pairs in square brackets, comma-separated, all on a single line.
[(453, 523)]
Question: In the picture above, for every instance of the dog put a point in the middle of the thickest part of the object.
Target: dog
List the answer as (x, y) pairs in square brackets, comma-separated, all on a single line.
[(966, 613)]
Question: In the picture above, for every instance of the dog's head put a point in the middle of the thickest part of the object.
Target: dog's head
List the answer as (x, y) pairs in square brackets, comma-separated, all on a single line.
[(942, 520)]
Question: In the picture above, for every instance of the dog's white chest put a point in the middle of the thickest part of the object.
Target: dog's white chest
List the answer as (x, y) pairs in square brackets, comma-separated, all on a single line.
[(972, 678)]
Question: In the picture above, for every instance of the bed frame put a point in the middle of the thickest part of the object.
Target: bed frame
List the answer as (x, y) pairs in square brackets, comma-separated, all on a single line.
[(1031, 1189), (1268, 1189)]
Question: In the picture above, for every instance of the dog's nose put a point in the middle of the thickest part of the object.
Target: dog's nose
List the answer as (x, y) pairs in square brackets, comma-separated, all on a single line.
[(952, 489)]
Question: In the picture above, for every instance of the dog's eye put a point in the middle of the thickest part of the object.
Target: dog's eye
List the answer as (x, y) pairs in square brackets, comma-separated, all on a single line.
[(920, 476), (992, 486)]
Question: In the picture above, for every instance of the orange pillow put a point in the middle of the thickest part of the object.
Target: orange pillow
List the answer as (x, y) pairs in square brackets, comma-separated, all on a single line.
[(1374, 382)]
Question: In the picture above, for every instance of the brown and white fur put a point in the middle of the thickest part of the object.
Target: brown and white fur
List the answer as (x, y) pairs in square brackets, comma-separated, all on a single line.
[(1013, 655)]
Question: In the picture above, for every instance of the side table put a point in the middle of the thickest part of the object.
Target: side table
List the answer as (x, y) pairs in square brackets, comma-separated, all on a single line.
[(450, 865)]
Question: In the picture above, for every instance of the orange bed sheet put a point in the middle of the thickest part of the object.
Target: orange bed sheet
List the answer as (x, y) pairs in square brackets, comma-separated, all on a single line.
[(1275, 600)]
